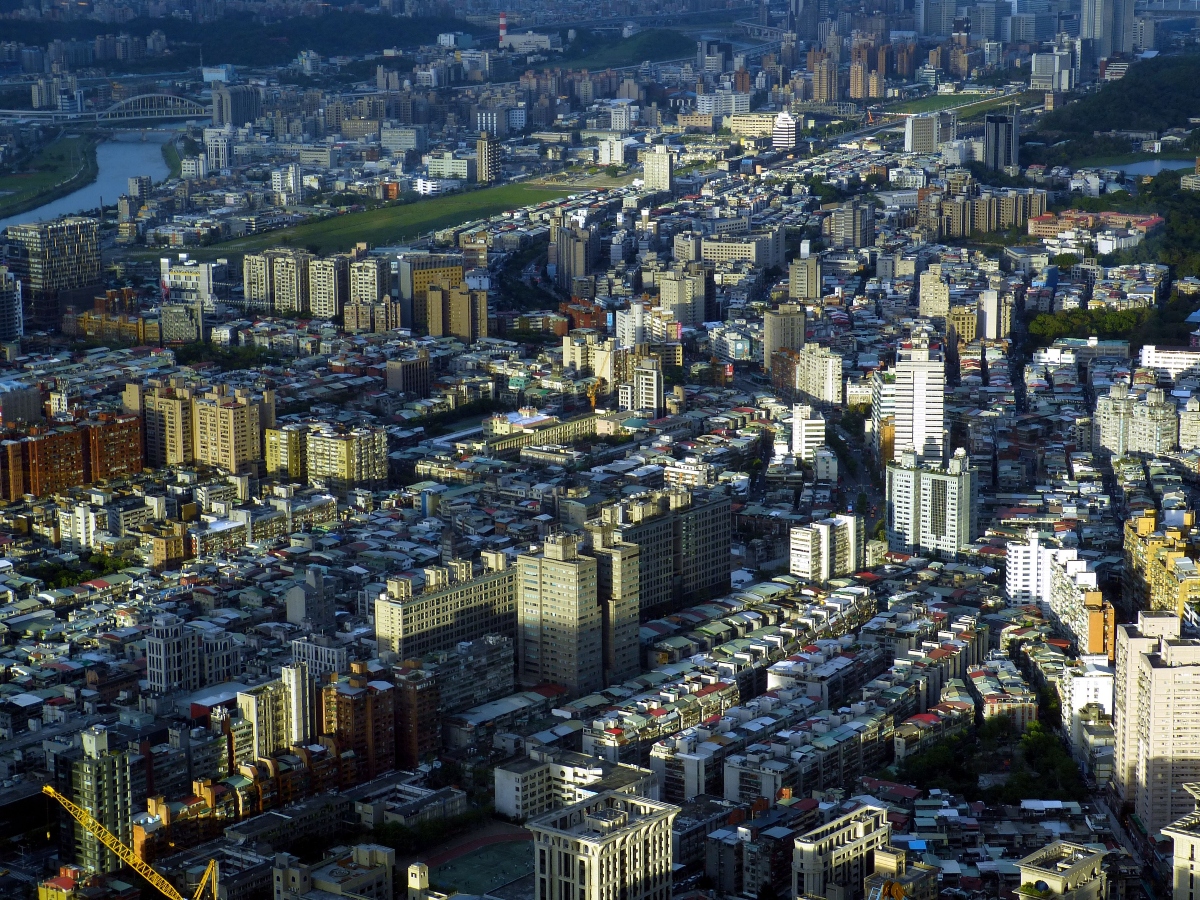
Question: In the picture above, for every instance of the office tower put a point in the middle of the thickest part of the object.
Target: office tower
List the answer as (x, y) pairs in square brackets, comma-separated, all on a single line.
[(267, 707), (783, 132), (56, 263), (658, 169), (458, 311), (834, 858), (236, 105), (488, 153), (920, 400), (370, 280), (576, 250), (934, 299), (166, 413), (560, 631), (327, 286), (1001, 139), (648, 386), (1156, 705), (343, 460), (455, 606), (228, 429), (409, 374), (804, 276), (285, 451), (301, 714), (808, 431), (829, 548), (683, 295), (12, 317), (618, 571), (783, 329), (359, 712), (172, 655), (218, 146), (111, 785), (853, 225), (612, 844), (931, 509), (311, 602)]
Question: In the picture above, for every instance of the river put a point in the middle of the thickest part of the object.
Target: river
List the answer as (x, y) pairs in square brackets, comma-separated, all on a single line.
[(118, 159)]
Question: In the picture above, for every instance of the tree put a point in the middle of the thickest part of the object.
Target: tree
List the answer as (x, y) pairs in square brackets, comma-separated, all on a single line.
[(767, 891)]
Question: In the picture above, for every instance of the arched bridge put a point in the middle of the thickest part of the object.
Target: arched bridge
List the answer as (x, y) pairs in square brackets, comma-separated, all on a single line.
[(143, 106)]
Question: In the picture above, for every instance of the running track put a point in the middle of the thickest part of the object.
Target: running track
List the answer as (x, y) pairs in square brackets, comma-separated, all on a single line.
[(471, 846)]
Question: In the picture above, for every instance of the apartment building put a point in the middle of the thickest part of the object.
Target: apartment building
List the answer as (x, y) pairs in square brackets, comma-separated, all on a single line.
[(932, 509), (840, 853), (345, 459), (111, 785), (830, 548)]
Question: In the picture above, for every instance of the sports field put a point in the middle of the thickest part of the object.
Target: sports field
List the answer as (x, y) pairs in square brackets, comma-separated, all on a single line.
[(485, 869), (390, 224)]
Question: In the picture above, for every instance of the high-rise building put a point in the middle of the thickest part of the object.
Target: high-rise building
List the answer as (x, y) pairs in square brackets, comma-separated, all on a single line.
[(934, 300), (783, 132), (618, 571), (612, 844), (359, 712), (1001, 139), (454, 606), (575, 251), (920, 400), (415, 273), (488, 153), (829, 548), (922, 133), (311, 603), (236, 105), (370, 280), (459, 311), (56, 263), (327, 286), (840, 853), (299, 691), (858, 80), (228, 429), (172, 655), (111, 785), (559, 622), (931, 509), (166, 412), (808, 431), (1157, 699), (648, 387), (804, 275), (684, 539), (347, 459), (285, 451), (658, 169), (783, 329), (12, 317), (267, 707), (289, 282), (853, 225), (818, 375), (826, 86), (1154, 426)]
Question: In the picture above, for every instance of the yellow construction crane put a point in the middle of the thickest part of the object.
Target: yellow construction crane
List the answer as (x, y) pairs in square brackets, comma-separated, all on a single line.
[(131, 859)]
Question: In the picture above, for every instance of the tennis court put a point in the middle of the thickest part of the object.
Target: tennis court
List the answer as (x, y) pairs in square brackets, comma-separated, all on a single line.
[(484, 869)]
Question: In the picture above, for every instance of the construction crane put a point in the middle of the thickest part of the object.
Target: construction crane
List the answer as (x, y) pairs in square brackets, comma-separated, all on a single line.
[(131, 859)]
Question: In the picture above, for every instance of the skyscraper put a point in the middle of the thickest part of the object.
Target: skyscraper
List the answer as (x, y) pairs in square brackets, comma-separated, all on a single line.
[(804, 275), (327, 286), (783, 329), (559, 620), (487, 158), (56, 263), (853, 225), (1001, 139), (618, 571), (657, 169), (12, 318), (920, 400), (111, 785), (1156, 704), (648, 386), (931, 509), (783, 132)]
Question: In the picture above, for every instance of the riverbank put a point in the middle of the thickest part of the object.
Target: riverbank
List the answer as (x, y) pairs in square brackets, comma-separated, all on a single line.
[(63, 166), (171, 156)]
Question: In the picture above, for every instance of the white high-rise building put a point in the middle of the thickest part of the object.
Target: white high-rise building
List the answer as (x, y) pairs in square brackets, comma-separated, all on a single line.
[(298, 688), (631, 325), (931, 509), (839, 853), (1189, 425), (608, 846), (1156, 708), (827, 549), (783, 132), (883, 414), (648, 386), (657, 169), (808, 431), (1154, 427), (1110, 425), (990, 309), (819, 375), (920, 401)]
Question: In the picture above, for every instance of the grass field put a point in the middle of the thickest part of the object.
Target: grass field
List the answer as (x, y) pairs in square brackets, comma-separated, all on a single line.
[(59, 168), (171, 155), (486, 868), (976, 110), (934, 103), (654, 45), (391, 224)]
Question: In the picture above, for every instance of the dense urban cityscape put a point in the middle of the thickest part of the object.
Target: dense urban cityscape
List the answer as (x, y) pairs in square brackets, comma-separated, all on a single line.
[(690, 450)]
